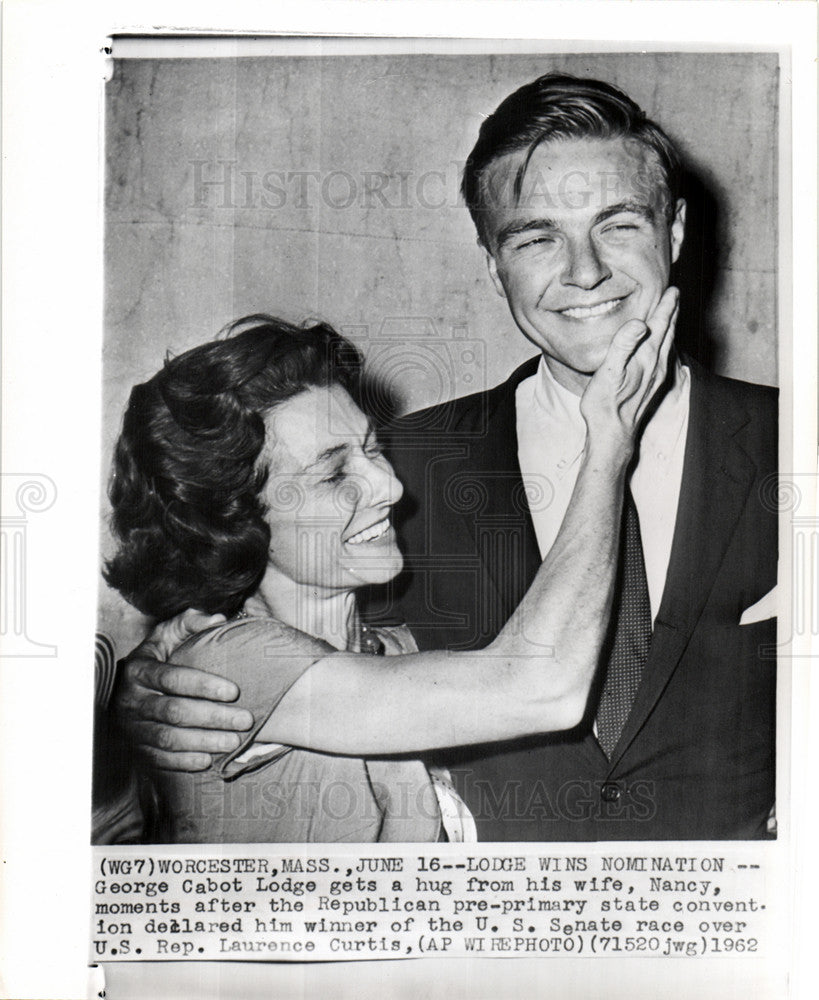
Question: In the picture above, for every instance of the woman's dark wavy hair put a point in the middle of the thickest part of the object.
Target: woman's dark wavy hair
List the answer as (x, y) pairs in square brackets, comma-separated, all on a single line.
[(560, 106), (187, 481)]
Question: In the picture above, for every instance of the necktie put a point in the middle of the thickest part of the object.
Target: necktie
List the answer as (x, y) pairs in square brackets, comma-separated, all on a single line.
[(630, 635)]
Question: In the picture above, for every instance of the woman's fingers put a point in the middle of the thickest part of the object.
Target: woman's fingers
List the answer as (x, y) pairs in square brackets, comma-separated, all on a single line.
[(660, 319), (634, 367), (654, 352), (645, 363), (623, 346)]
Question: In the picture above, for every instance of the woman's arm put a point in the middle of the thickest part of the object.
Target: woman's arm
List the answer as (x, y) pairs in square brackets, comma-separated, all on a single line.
[(534, 677)]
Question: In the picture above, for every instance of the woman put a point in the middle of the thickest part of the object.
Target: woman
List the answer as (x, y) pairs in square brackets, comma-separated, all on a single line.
[(248, 482)]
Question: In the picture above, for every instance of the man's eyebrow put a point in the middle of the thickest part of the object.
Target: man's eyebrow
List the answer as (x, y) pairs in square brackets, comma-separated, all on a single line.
[(545, 225), (629, 205), (513, 229)]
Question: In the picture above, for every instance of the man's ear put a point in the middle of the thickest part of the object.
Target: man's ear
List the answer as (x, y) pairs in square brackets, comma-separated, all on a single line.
[(492, 266), (677, 229)]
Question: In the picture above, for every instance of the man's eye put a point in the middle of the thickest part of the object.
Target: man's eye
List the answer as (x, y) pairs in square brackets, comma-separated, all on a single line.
[(622, 227), (372, 449), (536, 241)]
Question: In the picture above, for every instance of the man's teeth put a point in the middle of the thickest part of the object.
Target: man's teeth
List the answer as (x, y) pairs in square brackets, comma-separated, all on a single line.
[(371, 533), (584, 312)]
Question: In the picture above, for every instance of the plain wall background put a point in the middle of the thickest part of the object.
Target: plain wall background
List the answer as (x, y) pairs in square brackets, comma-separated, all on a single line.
[(327, 188)]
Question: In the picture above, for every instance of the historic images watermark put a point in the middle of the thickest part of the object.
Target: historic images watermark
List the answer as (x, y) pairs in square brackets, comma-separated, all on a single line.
[(22, 494), (576, 800), (226, 184), (404, 352), (795, 494)]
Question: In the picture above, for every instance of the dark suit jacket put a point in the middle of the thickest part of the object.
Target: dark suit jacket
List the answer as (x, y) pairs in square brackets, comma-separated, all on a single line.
[(696, 757)]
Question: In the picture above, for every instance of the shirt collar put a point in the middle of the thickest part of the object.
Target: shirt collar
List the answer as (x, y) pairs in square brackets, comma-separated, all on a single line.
[(562, 407), (557, 403), (562, 410)]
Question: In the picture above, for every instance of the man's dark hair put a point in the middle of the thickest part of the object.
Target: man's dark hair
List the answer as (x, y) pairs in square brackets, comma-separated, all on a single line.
[(187, 480), (558, 106)]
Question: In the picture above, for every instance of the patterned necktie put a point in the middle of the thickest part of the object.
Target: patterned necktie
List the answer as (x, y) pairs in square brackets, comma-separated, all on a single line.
[(631, 634)]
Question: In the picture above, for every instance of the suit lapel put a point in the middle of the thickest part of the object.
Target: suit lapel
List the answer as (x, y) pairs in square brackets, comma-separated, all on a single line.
[(505, 522), (717, 476), (503, 532)]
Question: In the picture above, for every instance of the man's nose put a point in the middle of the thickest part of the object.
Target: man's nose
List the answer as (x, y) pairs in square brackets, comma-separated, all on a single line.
[(583, 266)]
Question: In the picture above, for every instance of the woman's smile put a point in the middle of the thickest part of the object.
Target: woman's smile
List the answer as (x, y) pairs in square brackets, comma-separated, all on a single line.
[(371, 534), (338, 536)]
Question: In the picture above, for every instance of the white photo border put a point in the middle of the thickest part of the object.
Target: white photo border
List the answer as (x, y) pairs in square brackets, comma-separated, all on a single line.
[(52, 109)]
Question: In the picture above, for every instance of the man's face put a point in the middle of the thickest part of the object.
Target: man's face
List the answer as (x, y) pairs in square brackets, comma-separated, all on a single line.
[(586, 247)]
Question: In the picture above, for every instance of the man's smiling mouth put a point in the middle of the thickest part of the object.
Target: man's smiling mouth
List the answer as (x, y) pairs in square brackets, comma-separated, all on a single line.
[(588, 312)]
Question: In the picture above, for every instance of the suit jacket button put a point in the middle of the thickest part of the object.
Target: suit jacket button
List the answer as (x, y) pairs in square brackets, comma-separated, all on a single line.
[(609, 792)]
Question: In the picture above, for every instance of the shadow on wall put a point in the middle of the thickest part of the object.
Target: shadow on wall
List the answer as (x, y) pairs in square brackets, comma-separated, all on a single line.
[(697, 272)]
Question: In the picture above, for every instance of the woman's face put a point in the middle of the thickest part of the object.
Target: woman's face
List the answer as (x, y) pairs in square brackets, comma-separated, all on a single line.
[(329, 494)]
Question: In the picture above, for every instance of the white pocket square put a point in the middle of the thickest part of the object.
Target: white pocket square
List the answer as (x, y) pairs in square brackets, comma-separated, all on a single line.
[(764, 608)]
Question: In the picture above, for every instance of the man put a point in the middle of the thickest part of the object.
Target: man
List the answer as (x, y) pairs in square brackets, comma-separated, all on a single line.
[(575, 196)]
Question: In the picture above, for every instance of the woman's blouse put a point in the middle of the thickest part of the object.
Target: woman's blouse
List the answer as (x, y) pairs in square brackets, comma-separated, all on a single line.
[(269, 793)]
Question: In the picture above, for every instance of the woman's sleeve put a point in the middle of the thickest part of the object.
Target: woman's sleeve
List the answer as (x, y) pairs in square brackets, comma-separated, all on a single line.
[(264, 658)]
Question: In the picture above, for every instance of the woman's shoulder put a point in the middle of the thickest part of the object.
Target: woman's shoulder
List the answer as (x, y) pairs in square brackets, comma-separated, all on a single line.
[(242, 643)]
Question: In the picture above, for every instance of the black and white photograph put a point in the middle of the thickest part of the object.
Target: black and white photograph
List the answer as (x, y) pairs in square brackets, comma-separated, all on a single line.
[(412, 563), (465, 359)]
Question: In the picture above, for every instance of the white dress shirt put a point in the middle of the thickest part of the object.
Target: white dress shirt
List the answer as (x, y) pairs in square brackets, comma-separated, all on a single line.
[(551, 437)]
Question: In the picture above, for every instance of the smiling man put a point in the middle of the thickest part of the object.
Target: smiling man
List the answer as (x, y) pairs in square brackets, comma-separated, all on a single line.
[(582, 248), (575, 196)]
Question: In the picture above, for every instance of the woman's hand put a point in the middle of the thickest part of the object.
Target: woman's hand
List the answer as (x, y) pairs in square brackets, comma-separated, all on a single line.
[(636, 364), (177, 716)]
